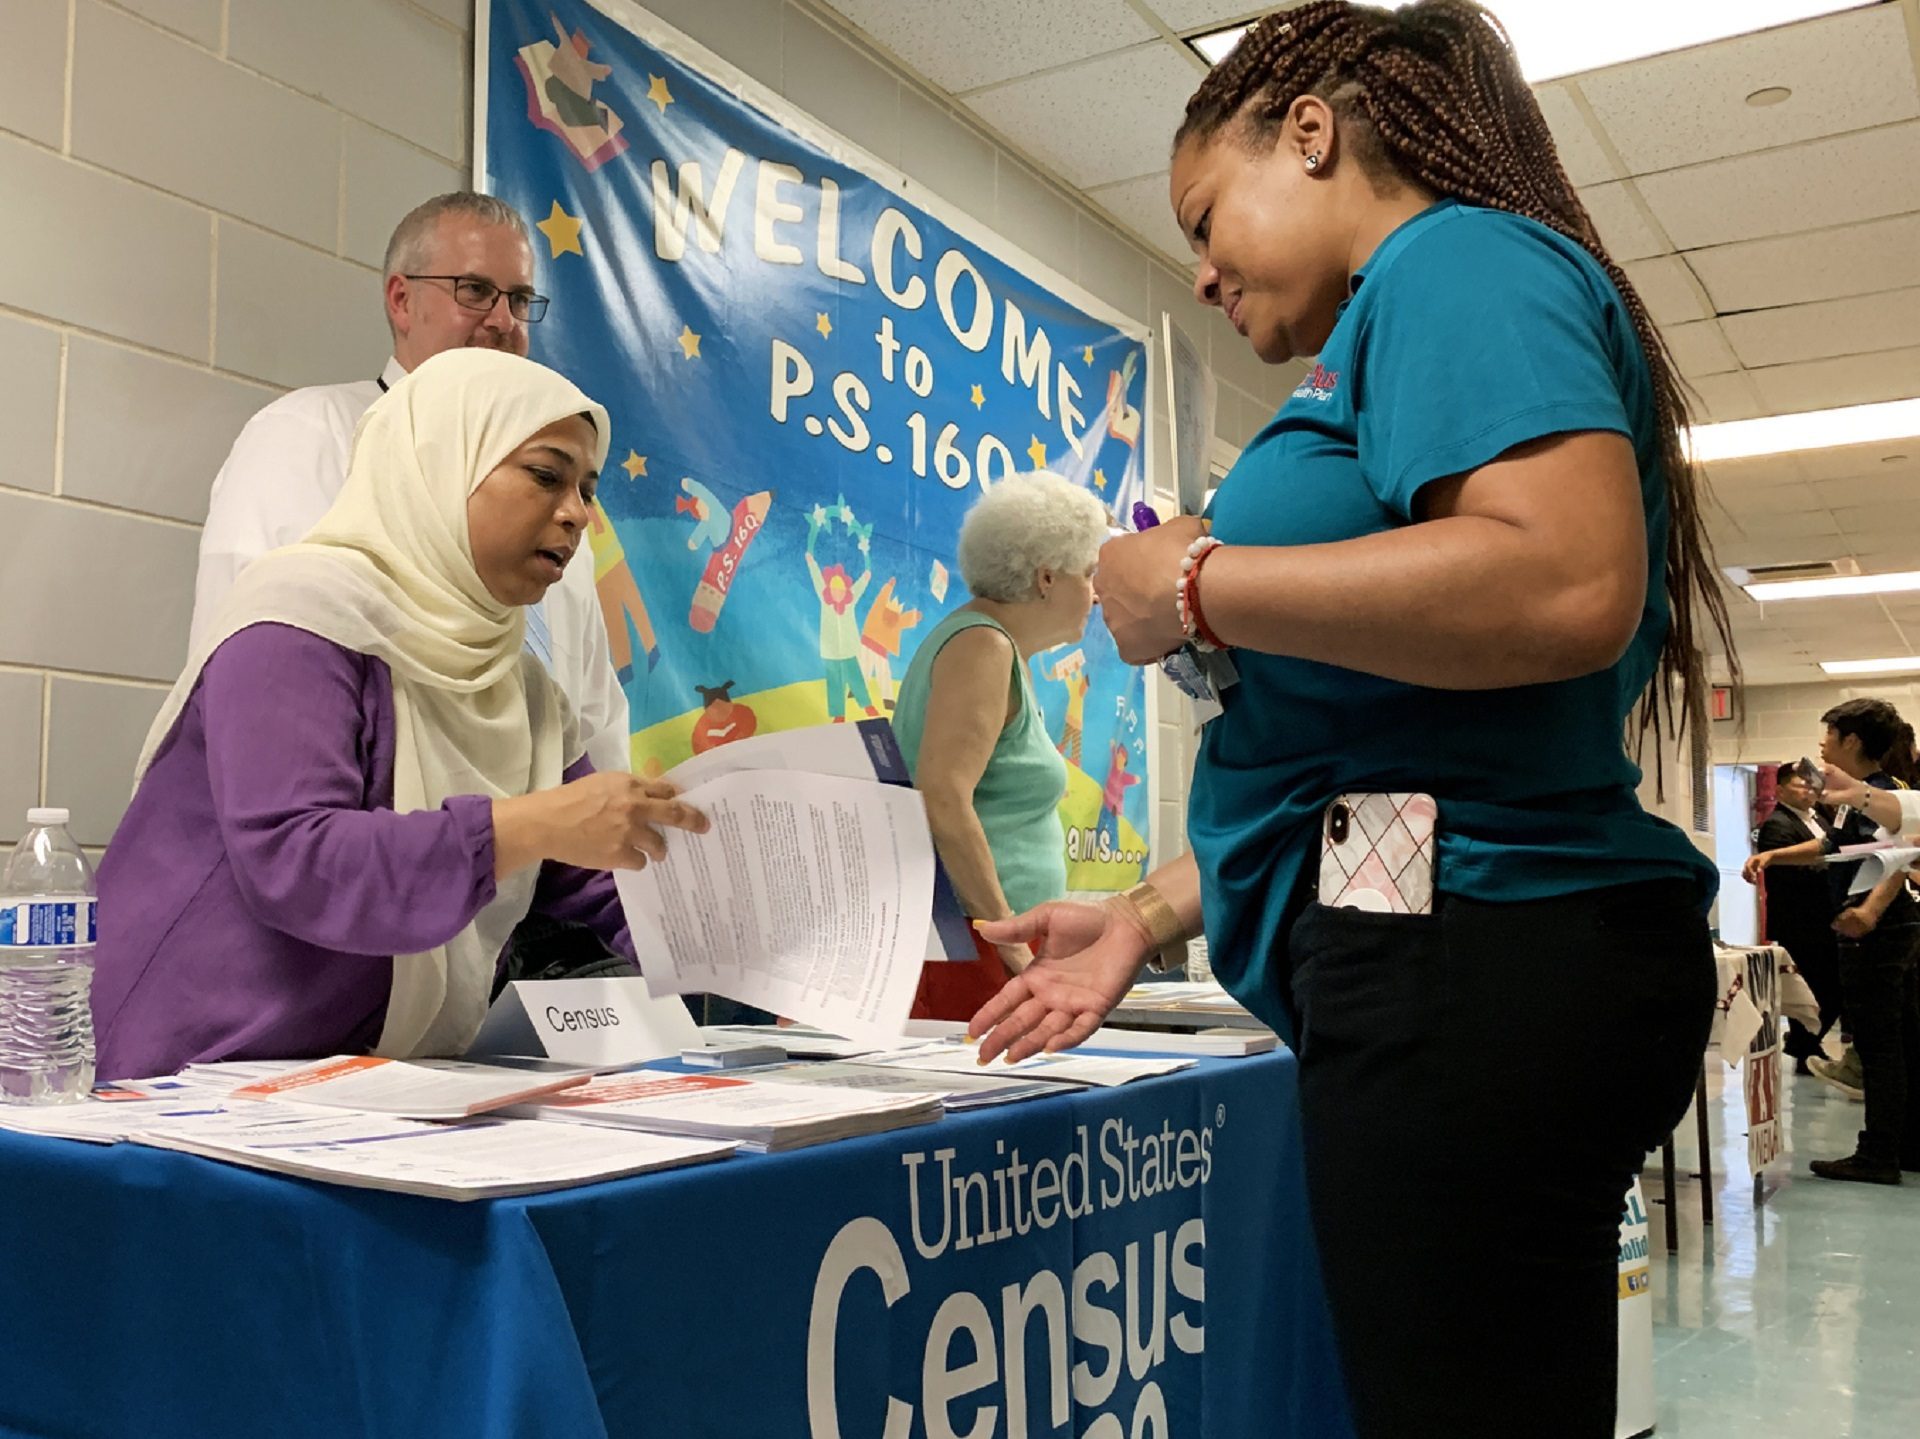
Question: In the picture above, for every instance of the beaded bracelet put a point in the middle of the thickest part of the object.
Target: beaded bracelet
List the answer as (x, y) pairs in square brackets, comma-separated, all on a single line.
[(1186, 595)]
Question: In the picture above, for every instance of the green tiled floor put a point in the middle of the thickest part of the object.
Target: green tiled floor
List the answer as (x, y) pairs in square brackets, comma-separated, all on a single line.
[(1801, 1317)]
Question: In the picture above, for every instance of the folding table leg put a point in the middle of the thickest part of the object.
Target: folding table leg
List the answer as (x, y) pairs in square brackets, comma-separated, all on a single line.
[(1671, 1200), (1706, 1152)]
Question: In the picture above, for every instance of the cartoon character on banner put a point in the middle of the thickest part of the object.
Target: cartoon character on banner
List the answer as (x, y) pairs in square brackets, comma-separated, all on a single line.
[(711, 525), (749, 518), (620, 600), (560, 80), (723, 720), (880, 643), (1071, 670), (1113, 800), (838, 593)]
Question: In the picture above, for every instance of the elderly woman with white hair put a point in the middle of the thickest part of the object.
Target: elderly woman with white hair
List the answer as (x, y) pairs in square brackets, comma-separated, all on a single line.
[(970, 727)]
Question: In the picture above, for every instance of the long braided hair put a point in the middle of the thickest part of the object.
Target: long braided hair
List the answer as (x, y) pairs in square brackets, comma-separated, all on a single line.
[(1433, 94)]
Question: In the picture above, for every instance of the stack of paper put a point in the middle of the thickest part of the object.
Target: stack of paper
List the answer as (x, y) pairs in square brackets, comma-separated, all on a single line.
[(1192, 997), (1214, 1043), (762, 1117), (413, 1089), (107, 1118), (798, 1040), (809, 897), (956, 1091), (1074, 1068), (477, 1160)]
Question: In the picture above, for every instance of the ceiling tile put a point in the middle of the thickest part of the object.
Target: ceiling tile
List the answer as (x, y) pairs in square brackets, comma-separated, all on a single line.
[(1047, 115), (1141, 205), (1699, 349), (1583, 156), (1817, 265), (1759, 550), (1719, 398), (1900, 458), (1859, 325), (1887, 489), (1863, 176), (1666, 285), (964, 44), (1184, 15), (1850, 380), (1847, 72), (1809, 522), (1760, 470), (1623, 229), (1872, 521), (1743, 501)]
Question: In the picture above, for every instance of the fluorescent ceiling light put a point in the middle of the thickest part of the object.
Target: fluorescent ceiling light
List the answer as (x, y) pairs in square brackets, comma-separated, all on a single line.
[(1814, 430), (1837, 585), (1555, 38), (1871, 667)]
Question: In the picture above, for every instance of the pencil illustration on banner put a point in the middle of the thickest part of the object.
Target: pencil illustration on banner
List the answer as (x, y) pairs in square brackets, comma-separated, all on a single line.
[(710, 596)]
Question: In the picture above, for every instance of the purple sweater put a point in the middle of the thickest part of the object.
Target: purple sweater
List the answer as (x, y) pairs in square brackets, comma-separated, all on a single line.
[(256, 892)]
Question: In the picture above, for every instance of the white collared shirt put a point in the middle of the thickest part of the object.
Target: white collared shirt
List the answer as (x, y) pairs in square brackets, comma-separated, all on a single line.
[(1808, 818), (285, 471)]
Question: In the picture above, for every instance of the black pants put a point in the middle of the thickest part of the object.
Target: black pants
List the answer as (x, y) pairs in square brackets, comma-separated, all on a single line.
[(1814, 948), (1478, 1089), (1881, 977)]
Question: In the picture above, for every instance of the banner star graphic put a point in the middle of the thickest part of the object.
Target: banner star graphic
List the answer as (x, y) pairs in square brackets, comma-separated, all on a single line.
[(635, 465), (1100, 479), (1087, 354), (823, 324), (979, 397), (563, 233), (689, 343), (659, 93), (1037, 452)]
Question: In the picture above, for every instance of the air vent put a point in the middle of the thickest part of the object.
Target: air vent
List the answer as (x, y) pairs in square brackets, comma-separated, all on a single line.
[(1803, 570), (1700, 771)]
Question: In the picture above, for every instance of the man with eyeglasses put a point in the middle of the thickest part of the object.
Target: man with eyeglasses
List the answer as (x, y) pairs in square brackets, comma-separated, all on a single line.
[(459, 271)]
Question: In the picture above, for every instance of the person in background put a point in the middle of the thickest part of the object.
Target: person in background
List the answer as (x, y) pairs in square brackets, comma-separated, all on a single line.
[(1800, 909), (458, 273), (1879, 959), (1453, 564), (362, 782), (970, 727)]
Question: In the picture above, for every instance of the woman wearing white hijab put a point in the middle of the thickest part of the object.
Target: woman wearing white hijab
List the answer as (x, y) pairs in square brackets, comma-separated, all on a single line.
[(361, 782)]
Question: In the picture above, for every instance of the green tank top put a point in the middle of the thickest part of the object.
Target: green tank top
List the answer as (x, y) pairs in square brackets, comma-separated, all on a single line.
[(1018, 797)]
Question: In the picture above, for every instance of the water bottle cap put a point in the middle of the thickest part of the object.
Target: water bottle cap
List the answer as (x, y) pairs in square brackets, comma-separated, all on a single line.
[(48, 816)]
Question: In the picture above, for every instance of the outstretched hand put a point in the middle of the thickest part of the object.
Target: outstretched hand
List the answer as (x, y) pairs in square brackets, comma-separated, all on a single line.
[(1086, 958)]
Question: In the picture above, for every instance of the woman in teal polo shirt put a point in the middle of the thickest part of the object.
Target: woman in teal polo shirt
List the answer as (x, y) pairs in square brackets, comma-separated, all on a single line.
[(1453, 563)]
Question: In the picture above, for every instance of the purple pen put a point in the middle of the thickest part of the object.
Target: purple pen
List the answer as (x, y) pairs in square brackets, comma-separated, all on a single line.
[(1143, 516)]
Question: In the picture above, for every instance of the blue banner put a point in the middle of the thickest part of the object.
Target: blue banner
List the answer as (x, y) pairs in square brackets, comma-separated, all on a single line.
[(811, 378)]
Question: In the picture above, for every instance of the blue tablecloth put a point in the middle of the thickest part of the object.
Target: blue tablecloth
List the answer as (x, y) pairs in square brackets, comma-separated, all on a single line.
[(145, 1294)]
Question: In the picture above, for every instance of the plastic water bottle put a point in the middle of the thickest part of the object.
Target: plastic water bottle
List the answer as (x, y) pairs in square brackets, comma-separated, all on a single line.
[(46, 966)]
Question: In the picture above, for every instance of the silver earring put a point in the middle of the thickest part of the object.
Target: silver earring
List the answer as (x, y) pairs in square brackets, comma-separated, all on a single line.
[(1313, 162)]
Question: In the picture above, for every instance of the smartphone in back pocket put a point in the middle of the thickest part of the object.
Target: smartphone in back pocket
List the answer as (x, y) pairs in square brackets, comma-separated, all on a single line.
[(1376, 852)]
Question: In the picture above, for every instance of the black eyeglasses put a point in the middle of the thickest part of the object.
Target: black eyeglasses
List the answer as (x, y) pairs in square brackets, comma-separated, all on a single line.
[(470, 292)]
